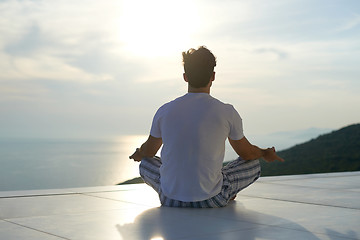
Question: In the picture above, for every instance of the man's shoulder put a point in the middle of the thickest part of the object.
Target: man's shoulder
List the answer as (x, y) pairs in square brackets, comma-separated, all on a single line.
[(170, 103), (203, 99), (173, 101), (223, 104)]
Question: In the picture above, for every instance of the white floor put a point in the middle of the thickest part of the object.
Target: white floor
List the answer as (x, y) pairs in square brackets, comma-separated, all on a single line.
[(318, 206)]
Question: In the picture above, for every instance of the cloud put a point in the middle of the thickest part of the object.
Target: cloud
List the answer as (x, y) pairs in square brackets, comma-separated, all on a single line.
[(279, 54), (44, 66), (65, 42), (30, 42), (350, 24), (68, 55)]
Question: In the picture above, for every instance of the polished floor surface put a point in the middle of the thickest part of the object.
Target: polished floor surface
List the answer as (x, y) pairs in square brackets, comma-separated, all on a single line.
[(317, 206)]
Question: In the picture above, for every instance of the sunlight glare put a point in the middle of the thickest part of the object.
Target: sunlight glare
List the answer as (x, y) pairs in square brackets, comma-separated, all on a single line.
[(156, 28)]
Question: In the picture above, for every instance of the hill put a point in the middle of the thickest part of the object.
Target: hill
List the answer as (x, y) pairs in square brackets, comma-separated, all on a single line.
[(337, 151)]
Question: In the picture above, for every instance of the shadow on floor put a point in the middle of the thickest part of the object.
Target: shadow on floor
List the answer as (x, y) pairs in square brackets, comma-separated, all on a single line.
[(233, 220), (334, 235)]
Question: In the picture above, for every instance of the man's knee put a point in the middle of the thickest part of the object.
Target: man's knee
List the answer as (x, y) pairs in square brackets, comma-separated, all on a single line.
[(257, 169), (143, 167), (149, 164), (256, 165)]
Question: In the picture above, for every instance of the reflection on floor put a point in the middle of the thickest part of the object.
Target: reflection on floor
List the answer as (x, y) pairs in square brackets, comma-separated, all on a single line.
[(317, 206)]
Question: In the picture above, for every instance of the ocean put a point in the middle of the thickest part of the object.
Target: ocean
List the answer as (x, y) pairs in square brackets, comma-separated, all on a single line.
[(28, 164)]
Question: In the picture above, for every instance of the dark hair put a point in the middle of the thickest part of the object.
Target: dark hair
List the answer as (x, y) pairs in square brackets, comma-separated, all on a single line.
[(199, 66)]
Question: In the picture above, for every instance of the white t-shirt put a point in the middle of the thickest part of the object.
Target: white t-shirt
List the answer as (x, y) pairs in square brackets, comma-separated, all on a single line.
[(194, 129)]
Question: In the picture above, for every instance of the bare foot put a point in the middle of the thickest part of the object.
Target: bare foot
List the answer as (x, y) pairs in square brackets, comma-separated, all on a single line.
[(233, 198)]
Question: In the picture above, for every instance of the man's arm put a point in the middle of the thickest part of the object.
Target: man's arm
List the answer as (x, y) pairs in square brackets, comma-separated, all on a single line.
[(247, 151), (147, 149)]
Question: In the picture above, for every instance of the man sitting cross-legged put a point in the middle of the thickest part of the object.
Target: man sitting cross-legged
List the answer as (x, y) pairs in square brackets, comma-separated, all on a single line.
[(193, 129)]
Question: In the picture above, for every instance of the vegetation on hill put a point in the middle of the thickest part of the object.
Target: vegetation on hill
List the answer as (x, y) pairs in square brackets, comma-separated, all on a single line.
[(337, 151), (133, 181)]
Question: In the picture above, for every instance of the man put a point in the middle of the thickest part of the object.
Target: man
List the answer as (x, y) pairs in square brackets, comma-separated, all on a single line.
[(193, 129)]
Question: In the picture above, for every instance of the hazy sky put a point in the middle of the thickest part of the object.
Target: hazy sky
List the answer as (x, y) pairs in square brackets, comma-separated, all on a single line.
[(102, 68)]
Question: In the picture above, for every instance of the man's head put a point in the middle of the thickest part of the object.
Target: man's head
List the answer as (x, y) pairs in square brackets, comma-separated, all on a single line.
[(198, 66)]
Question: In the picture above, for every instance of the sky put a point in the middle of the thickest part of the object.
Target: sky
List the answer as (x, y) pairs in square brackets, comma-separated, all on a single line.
[(98, 69)]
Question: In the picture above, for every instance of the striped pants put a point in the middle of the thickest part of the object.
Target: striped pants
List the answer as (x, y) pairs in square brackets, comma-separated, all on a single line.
[(237, 175)]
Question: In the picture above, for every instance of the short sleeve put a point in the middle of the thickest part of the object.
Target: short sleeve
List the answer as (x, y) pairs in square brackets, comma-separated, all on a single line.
[(236, 126), (155, 130)]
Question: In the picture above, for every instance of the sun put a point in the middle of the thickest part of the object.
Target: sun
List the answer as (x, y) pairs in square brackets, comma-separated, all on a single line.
[(156, 28)]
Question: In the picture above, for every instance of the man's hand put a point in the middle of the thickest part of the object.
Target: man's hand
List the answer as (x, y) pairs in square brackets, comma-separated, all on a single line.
[(137, 156), (271, 156), (147, 149)]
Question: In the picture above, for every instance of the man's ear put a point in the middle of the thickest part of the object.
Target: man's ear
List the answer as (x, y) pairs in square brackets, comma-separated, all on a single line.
[(213, 77), (185, 77)]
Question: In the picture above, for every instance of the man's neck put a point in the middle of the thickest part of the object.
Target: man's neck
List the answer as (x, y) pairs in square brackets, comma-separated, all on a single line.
[(198, 90)]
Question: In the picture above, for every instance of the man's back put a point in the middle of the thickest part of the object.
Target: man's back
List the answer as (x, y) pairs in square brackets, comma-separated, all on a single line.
[(194, 128)]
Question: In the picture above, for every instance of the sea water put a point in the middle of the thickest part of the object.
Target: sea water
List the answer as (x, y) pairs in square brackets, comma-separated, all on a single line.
[(47, 163), (27, 164)]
